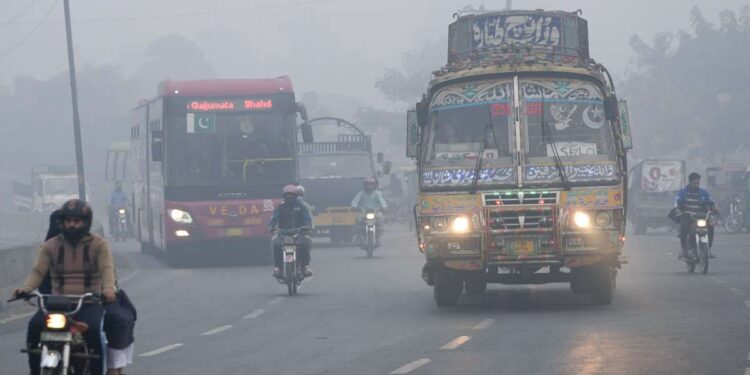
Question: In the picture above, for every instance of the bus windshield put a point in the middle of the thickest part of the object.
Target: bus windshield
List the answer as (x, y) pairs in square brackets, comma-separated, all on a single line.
[(229, 149)]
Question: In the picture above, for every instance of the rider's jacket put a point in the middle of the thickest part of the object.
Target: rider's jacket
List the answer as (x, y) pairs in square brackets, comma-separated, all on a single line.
[(290, 216), (694, 201), (369, 201), (118, 199), (86, 267)]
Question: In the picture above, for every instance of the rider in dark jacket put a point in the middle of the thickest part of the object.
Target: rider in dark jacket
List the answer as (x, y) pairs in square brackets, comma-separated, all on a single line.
[(291, 214), (693, 199)]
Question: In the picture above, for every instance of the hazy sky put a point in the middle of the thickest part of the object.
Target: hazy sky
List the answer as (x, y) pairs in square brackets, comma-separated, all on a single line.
[(330, 46)]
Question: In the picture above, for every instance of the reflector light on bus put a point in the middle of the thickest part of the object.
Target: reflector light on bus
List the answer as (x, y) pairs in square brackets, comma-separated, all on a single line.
[(181, 233)]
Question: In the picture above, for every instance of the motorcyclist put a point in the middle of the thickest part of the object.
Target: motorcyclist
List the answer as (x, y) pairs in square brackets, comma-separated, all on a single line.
[(693, 199), (291, 214), (301, 199), (370, 199), (117, 200), (78, 262)]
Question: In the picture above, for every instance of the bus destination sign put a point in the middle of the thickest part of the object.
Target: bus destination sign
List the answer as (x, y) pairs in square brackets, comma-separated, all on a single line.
[(230, 105)]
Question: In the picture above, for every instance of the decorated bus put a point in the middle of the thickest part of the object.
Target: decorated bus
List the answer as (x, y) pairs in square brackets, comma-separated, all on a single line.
[(520, 144)]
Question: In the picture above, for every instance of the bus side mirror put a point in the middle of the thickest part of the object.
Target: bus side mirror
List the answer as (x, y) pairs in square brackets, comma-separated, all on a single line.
[(307, 133), (157, 145), (627, 138), (412, 134)]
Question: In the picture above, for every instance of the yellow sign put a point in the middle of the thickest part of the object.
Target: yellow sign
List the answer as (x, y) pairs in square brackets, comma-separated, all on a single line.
[(234, 232), (241, 210), (524, 247), (592, 197), (449, 203)]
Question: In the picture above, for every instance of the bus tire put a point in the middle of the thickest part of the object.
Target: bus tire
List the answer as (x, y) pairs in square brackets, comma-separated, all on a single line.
[(602, 286), (447, 287)]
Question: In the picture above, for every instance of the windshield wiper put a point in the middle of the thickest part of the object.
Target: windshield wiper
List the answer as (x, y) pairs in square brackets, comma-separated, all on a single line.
[(549, 139), (478, 167)]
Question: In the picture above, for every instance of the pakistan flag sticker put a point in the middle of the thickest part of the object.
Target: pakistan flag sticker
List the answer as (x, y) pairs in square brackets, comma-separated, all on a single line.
[(201, 123)]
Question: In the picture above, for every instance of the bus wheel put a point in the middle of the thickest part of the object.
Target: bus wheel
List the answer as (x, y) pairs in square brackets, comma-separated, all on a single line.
[(475, 286), (602, 286), (447, 287)]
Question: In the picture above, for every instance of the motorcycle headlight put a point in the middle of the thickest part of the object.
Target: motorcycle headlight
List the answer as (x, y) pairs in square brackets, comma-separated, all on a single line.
[(121, 211), (180, 216), (701, 223), (582, 219), (56, 321), (370, 216), (603, 219), (460, 224)]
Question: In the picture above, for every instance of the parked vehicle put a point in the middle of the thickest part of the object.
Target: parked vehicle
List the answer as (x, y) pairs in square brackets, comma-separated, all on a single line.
[(652, 187)]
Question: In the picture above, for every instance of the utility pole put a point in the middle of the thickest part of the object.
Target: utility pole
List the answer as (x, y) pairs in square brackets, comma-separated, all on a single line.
[(74, 96)]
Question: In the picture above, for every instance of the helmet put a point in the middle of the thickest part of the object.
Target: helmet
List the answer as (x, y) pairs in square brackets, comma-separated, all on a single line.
[(370, 181), (76, 208), (300, 190), (289, 189)]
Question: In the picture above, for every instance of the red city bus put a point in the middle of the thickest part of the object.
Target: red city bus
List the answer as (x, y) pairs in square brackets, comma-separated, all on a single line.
[(210, 158)]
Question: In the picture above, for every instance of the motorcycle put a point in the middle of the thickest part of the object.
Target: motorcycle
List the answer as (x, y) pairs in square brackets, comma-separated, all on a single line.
[(736, 218), (697, 241), (293, 274), (121, 226), (62, 348), (370, 235)]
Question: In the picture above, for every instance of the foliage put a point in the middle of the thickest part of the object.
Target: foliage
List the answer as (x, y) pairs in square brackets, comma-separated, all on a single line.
[(688, 96)]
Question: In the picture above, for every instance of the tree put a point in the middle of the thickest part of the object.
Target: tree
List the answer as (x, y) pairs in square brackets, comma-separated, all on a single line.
[(408, 82)]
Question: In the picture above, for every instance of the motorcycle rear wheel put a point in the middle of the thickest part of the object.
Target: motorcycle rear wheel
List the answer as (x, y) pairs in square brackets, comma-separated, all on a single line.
[(291, 285), (370, 244)]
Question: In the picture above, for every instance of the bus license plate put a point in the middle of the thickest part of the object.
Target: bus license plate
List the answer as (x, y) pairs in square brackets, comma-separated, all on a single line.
[(523, 247), (56, 336), (233, 232)]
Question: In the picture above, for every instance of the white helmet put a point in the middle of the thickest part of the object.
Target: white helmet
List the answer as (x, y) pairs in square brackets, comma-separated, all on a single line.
[(300, 190)]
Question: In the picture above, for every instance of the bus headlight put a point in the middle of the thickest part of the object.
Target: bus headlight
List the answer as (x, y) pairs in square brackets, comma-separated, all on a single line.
[(701, 223), (460, 224), (56, 321), (180, 216), (582, 219), (603, 219)]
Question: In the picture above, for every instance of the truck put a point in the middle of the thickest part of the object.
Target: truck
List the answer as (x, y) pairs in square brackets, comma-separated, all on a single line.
[(332, 172), (653, 185), (209, 161), (48, 188), (520, 143)]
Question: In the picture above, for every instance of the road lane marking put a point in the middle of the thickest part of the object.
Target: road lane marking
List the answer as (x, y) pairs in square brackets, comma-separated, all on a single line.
[(411, 366), (254, 314), (484, 324), (455, 343), (275, 301), (129, 276), (163, 349), (216, 330), (719, 280), (16, 317)]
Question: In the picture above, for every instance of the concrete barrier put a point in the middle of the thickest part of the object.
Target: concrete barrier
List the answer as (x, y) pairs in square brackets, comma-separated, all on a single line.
[(15, 263)]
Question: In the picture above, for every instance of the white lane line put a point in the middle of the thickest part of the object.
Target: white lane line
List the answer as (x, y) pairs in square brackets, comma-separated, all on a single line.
[(455, 343), (216, 330), (16, 317), (129, 276), (719, 280), (254, 314), (411, 366), (484, 324), (161, 350), (275, 301)]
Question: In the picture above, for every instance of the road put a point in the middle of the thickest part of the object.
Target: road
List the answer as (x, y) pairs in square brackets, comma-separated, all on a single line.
[(376, 316)]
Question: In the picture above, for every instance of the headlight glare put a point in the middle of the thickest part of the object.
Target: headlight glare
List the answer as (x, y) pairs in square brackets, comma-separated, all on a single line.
[(460, 224), (56, 321), (582, 219), (701, 223), (370, 216), (180, 216)]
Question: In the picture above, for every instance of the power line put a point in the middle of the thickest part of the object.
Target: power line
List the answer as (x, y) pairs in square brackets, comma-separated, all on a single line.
[(11, 49), (197, 14), (6, 23)]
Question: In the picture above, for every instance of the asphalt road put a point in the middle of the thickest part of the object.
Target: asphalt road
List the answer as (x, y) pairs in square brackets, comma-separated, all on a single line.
[(376, 316)]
